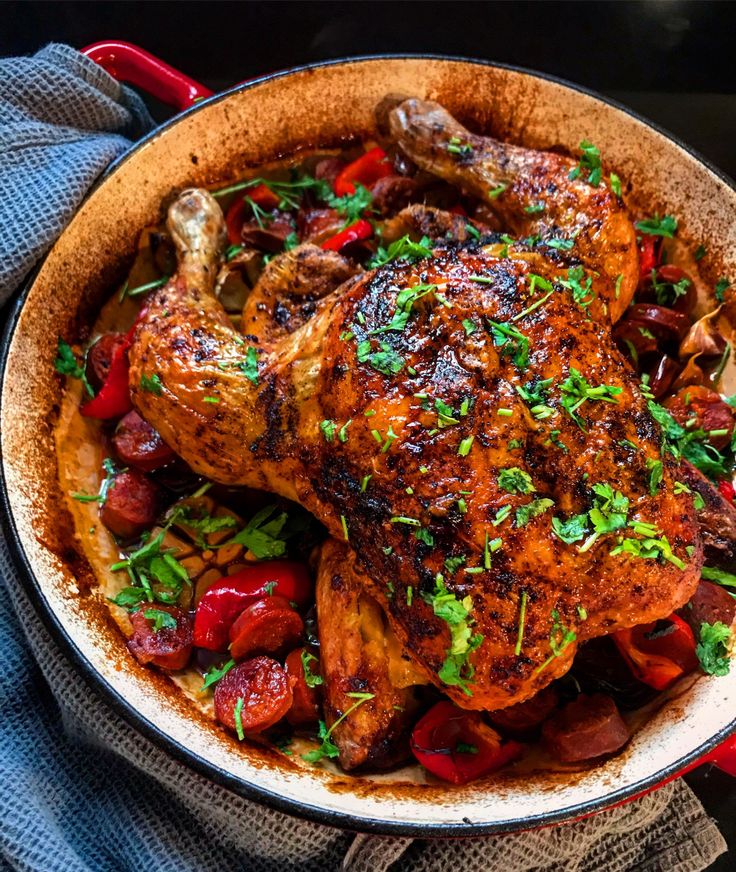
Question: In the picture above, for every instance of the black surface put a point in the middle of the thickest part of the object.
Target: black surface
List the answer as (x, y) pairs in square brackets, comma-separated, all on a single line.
[(670, 61)]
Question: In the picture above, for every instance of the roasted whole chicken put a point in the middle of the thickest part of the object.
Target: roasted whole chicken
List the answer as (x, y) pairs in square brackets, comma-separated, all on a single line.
[(464, 423)]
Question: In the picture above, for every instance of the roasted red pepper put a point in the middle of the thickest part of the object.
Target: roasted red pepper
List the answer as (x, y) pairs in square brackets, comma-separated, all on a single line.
[(660, 652), (227, 598), (457, 746), (113, 398), (366, 170), (727, 490), (361, 229), (261, 195)]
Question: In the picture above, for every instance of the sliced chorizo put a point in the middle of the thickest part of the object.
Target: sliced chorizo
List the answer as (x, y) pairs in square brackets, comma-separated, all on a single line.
[(305, 707), (393, 193), (524, 718), (162, 635), (99, 357), (709, 411), (265, 689), (268, 625), (138, 444), (131, 504), (328, 169), (584, 729), (269, 236), (710, 604)]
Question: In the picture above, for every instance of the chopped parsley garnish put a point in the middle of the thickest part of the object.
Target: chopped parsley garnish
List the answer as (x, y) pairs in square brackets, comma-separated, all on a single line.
[(501, 515), (402, 249), (465, 446), (582, 293), (515, 481), (344, 524), (311, 678), (524, 514), (386, 360), (469, 326), (700, 252), (156, 575), (616, 184), (719, 576), (452, 564), (212, 676), (577, 390), (667, 293), (655, 468), (353, 206), (560, 244), (152, 384), (267, 532), (496, 192), (456, 146), (722, 285), (238, 718), (534, 208), (405, 299), (712, 649), (590, 162), (512, 342), (610, 509), (535, 394), (559, 638), (160, 620), (66, 364), (456, 670), (328, 428), (424, 535), (692, 445), (249, 366), (328, 748), (572, 530), (657, 226), (649, 548), (204, 524), (522, 620), (681, 488), (342, 433)]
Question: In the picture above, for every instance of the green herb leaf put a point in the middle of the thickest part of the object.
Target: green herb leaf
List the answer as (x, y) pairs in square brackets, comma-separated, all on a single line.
[(152, 384), (572, 530), (402, 249), (524, 514), (515, 481), (719, 576), (328, 748), (160, 620), (313, 679), (249, 366), (656, 226), (590, 162), (212, 676), (712, 649), (66, 363)]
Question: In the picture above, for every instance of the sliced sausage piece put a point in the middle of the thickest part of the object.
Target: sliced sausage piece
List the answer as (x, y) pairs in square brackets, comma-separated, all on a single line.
[(586, 728), (266, 691), (707, 408), (266, 626), (391, 194), (169, 646), (710, 603), (318, 225), (100, 356), (305, 707), (131, 504), (329, 169), (522, 719), (138, 444), (269, 237)]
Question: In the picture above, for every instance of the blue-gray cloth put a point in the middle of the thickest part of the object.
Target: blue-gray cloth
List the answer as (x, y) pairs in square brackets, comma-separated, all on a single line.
[(80, 790)]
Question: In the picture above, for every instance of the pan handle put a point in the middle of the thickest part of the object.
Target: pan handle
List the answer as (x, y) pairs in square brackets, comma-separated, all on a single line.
[(129, 63), (724, 756)]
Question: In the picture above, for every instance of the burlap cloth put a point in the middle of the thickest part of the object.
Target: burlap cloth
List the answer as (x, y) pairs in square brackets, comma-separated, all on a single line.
[(80, 790)]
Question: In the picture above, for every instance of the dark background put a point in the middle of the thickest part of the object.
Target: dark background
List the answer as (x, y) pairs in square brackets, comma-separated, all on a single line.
[(671, 61)]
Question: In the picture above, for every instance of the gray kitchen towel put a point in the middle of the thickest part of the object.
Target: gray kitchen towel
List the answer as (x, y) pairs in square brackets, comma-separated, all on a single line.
[(80, 790)]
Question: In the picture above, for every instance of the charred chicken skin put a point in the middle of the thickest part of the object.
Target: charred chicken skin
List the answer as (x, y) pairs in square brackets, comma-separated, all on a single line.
[(465, 422)]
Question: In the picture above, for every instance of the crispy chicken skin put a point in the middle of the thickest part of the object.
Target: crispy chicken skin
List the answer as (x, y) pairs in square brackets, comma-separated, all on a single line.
[(605, 239), (335, 368), (358, 654)]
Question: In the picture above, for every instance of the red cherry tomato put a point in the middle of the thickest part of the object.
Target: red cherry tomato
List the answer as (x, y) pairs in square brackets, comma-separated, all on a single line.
[(265, 627), (361, 229), (727, 490), (224, 600), (113, 398), (658, 655), (366, 170), (457, 746)]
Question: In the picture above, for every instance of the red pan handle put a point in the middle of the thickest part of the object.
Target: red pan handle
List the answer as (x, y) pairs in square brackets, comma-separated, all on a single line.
[(129, 63), (724, 756)]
